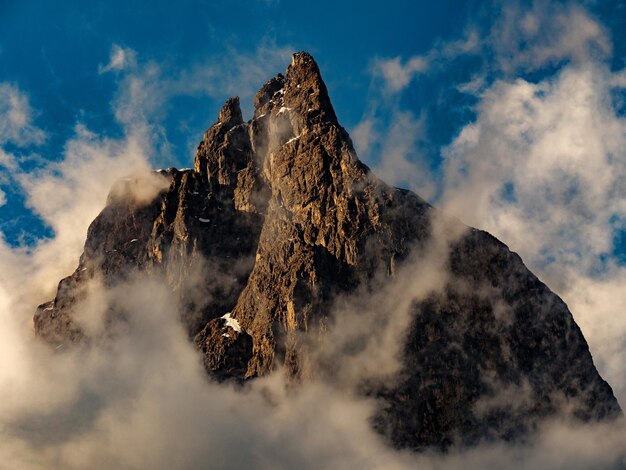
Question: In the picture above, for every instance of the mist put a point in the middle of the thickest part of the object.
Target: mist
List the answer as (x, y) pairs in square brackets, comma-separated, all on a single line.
[(139, 397)]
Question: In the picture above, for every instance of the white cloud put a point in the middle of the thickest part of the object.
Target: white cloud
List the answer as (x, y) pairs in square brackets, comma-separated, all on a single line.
[(522, 38), (121, 58), (546, 33), (545, 163), (146, 89), (470, 43), (544, 169), (543, 166), (364, 135), (8, 161), (395, 74), (16, 118), (69, 194), (402, 162), (598, 305), (17, 128)]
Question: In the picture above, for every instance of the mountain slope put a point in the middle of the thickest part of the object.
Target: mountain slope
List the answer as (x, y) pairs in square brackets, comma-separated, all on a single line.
[(279, 229)]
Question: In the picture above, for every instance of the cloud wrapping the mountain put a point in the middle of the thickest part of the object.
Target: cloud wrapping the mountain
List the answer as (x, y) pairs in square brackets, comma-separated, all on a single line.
[(542, 165), (140, 398)]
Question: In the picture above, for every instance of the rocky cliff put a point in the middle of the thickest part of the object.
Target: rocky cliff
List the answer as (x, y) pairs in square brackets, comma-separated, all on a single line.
[(279, 222)]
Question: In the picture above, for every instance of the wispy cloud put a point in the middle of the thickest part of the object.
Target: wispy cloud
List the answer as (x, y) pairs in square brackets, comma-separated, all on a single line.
[(544, 168), (523, 38), (546, 33), (147, 88), (402, 161), (16, 118), (121, 58), (397, 74)]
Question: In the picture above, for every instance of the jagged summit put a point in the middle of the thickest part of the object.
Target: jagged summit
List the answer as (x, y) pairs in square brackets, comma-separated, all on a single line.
[(266, 93), (305, 91), (230, 114), (279, 228)]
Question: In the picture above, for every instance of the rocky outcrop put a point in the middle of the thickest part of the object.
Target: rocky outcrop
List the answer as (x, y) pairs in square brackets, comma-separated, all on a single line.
[(279, 219)]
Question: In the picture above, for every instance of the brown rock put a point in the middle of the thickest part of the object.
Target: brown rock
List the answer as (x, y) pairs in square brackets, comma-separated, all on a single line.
[(279, 219)]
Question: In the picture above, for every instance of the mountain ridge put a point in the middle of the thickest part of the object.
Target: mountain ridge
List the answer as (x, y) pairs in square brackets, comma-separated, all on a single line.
[(279, 219)]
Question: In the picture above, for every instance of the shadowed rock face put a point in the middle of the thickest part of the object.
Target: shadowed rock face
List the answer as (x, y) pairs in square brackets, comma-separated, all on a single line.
[(279, 219)]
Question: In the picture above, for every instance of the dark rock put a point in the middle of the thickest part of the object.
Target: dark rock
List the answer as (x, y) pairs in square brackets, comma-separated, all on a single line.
[(279, 219)]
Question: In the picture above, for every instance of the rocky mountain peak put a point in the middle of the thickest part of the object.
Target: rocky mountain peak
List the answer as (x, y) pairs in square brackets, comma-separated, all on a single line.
[(297, 100), (279, 227), (266, 93), (305, 91), (225, 149), (230, 114)]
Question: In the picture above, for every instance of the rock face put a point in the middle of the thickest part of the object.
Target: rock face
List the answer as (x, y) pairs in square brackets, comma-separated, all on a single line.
[(279, 219)]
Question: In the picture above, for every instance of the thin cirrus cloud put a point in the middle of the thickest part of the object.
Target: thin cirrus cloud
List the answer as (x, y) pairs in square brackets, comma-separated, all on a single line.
[(17, 128), (16, 118), (397, 74), (121, 58), (523, 39), (147, 87), (546, 34)]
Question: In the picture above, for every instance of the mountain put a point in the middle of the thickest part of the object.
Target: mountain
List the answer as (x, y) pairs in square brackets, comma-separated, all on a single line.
[(286, 252)]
